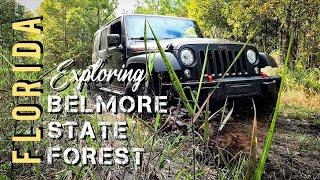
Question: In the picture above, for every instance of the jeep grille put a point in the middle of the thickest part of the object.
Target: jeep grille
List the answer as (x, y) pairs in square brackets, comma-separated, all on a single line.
[(219, 59)]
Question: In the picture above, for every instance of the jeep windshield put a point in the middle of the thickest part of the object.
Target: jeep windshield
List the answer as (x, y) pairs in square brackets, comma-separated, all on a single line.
[(164, 27)]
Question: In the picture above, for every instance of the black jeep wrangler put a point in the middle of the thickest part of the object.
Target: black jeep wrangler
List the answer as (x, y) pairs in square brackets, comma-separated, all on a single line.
[(121, 41)]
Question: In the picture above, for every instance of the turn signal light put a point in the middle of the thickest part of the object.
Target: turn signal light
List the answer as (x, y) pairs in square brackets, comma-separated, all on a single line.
[(263, 74), (209, 78)]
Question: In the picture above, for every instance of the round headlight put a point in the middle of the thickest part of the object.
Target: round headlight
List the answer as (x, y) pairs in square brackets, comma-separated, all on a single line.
[(252, 57), (187, 57)]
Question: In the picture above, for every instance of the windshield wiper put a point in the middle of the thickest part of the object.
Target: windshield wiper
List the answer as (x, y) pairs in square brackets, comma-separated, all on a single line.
[(142, 38)]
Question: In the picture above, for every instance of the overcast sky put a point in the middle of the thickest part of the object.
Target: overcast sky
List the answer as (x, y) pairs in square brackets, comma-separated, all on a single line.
[(125, 6)]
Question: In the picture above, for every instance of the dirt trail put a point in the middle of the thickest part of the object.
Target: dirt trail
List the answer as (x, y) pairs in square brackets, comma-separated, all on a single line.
[(295, 151)]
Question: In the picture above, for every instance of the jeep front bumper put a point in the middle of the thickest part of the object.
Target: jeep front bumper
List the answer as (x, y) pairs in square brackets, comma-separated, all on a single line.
[(232, 87)]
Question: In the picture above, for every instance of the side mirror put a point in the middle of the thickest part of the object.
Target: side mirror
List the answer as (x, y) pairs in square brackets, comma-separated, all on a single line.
[(113, 40)]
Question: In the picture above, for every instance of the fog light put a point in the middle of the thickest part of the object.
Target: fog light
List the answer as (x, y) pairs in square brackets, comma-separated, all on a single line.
[(256, 70), (187, 73)]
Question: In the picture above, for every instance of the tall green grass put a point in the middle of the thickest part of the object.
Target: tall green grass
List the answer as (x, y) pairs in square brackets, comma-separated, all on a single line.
[(204, 66), (268, 141), (173, 76)]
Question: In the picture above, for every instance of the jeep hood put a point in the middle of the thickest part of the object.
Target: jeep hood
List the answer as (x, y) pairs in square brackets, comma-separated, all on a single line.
[(138, 46)]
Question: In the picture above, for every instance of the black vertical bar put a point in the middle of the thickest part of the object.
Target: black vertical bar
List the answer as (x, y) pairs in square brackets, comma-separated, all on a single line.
[(221, 61), (238, 63), (225, 61), (231, 59), (214, 60), (208, 63)]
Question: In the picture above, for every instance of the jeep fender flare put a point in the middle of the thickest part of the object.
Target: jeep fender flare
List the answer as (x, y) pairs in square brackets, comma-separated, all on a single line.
[(266, 60), (159, 65)]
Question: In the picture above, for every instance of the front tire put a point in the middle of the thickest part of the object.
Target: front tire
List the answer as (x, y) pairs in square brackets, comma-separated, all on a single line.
[(266, 106)]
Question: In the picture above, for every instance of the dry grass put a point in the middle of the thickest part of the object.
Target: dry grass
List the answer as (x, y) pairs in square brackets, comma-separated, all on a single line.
[(299, 100), (300, 103), (302, 97)]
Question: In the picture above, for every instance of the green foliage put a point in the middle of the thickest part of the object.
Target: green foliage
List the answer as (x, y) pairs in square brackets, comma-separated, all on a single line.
[(70, 26), (209, 16), (302, 77), (242, 16), (10, 12), (163, 7)]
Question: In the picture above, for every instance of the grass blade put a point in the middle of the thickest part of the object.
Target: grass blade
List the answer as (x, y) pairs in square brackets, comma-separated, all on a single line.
[(268, 141), (173, 76), (201, 78), (151, 60), (145, 36), (149, 65), (180, 174), (7, 60), (206, 124), (226, 118), (254, 143), (193, 98), (224, 109), (214, 114), (157, 122)]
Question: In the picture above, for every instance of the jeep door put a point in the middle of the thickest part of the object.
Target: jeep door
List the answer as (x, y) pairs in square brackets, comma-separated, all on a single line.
[(116, 53), (100, 48)]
